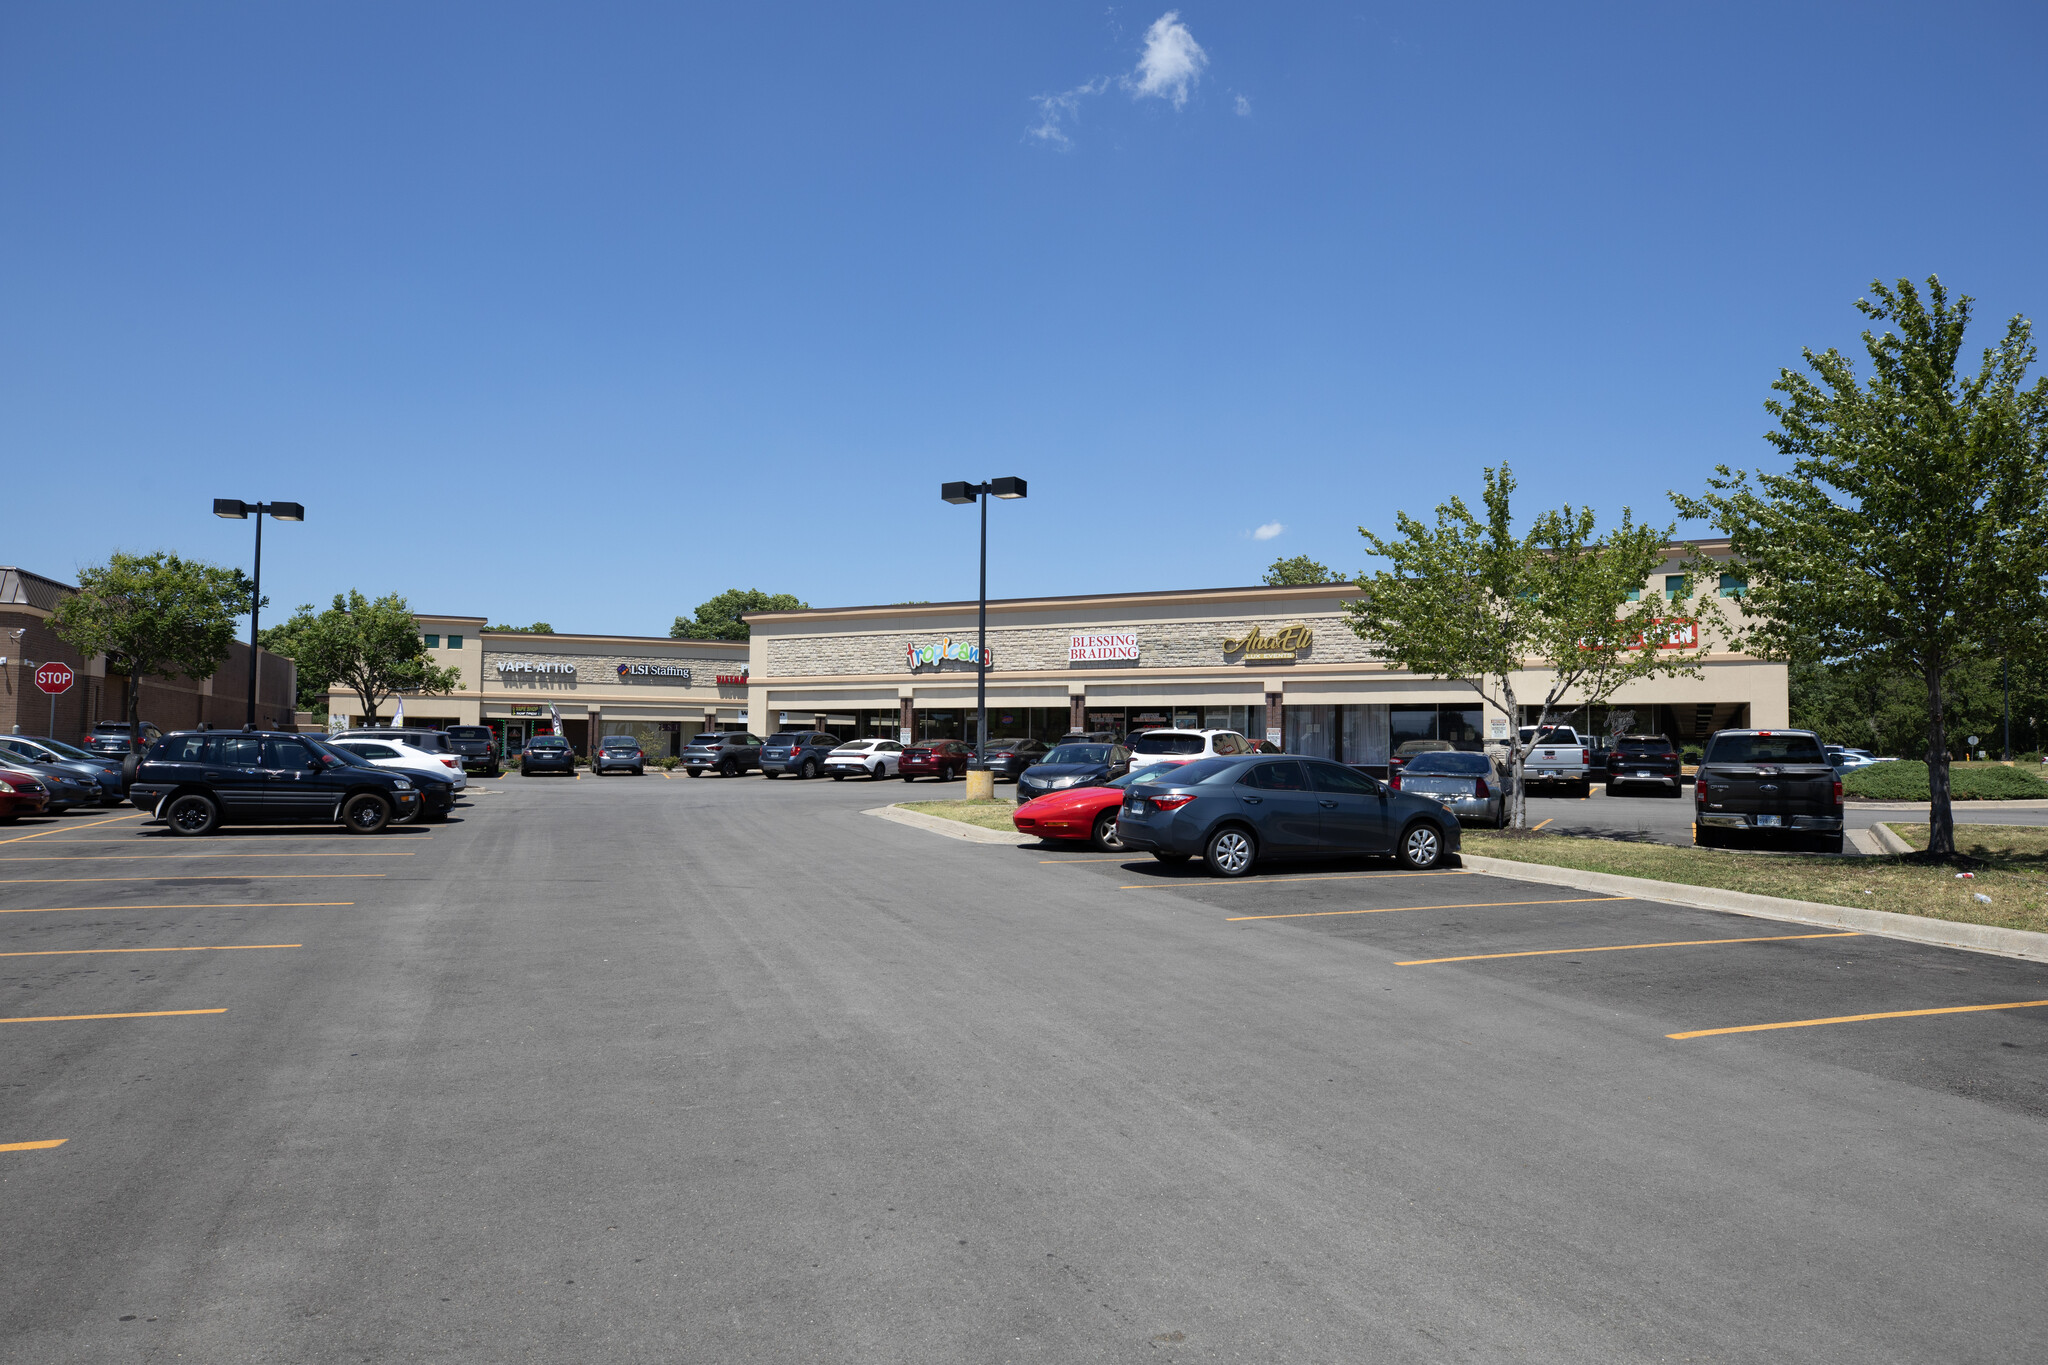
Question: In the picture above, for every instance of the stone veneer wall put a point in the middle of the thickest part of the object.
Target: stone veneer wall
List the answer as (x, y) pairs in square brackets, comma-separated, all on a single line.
[(598, 673), (1179, 644)]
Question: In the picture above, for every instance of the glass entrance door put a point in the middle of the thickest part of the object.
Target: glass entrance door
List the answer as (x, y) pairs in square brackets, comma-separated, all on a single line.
[(513, 735)]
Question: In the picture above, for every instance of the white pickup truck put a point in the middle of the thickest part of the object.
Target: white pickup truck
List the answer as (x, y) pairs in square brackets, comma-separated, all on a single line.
[(1558, 757)]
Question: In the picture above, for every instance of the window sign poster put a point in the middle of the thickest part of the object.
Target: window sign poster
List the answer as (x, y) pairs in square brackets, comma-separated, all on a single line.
[(1497, 727), (1273, 736), (905, 736)]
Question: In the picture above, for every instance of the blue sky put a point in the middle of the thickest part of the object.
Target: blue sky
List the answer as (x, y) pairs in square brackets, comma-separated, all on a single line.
[(586, 313)]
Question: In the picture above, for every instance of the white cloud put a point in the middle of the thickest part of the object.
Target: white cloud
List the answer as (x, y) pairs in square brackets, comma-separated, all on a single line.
[(1168, 68), (1171, 63), (1057, 110), (1268, 531), (1244, 107)]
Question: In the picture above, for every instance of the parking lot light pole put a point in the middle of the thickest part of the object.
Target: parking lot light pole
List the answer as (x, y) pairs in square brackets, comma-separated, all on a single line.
[(234, 509), (980, 784)]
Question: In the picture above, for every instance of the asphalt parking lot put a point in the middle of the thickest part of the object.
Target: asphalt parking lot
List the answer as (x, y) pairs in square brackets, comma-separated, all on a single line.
[(658, 1069)]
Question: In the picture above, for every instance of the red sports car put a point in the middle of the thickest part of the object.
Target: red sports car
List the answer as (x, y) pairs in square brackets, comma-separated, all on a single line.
[(21, 794), (1076, 813)]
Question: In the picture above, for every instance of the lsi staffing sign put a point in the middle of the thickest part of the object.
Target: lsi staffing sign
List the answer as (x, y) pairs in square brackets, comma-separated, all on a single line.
[(1088, 649), (675, 671)]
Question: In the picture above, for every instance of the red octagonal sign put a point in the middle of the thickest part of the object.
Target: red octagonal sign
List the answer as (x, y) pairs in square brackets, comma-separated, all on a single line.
[(54, 678)]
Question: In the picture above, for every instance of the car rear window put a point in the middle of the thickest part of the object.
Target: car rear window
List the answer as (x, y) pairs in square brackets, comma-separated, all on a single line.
[(1449, 765), (1191, 774), (784, 739), (470, 731), (1780, 748), (1168, 744), (1643, 746)]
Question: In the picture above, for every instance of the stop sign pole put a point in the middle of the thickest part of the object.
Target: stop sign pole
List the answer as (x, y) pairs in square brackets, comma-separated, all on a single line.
[(54, 678)]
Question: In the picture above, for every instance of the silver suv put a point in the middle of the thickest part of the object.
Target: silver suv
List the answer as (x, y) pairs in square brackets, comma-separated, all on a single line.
[(725, 752)]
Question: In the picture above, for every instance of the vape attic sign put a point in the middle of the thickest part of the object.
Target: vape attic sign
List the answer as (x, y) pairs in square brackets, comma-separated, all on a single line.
[(676, 671), (1285, 643), (1088, 649), (524, 667), (958, 651)]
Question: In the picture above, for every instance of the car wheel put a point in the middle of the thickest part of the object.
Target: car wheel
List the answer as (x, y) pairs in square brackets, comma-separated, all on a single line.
[(1422, 846), (1105, 833), (1828, 843), (1170, 857), (433, 817), (839, 777), (639, 772), (726, 769), (1705, 837), (878, 772), (190, 814), (808, 771), (365, 813), (1230, 852), (1502, 821), (909, 777), (525, 771)]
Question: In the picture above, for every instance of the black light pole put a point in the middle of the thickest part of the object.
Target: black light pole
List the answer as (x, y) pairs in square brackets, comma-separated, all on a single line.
[(961, 494), (234, 509)]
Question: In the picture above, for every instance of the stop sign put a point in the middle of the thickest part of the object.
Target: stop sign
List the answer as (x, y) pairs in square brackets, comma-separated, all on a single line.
[(54, 678)]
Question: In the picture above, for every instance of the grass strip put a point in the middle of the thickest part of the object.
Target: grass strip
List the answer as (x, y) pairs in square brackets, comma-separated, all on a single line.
[(986, 814), (2013, 872)]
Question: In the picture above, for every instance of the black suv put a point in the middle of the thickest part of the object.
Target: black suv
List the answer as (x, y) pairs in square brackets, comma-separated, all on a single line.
[(1644, 760), (801, 752), (195, 781), (1767, 784), (477, 747), (111, 737), (726, 752)]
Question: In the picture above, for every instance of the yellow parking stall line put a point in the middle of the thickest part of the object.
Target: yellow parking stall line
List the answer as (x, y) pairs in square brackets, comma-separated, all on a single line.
[(1389, 909), (45, 1145), (338, 837), (74, 1018), (1294, 881), (197, 877), (1858, 1018), (1044, 861), (214, 948), (66, 829), (1622, 948), (184, 857), (202, 905), (1539, 825)]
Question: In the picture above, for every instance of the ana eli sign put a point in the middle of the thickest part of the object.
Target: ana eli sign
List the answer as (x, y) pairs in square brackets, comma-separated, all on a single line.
[(1087, 649), (1257, 643)]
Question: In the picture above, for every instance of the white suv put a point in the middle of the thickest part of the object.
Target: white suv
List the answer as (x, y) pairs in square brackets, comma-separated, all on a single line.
[(1183, 746)]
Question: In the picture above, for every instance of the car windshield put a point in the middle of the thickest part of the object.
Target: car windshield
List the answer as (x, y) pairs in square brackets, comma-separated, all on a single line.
[(1079, 753), (1449, 765), (1643, 746), (1190, 774), (1168, 744), (65, 750), (1766, 749)]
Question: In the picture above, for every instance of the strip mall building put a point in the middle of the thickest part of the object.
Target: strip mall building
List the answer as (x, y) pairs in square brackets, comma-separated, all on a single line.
[(1278, 662)]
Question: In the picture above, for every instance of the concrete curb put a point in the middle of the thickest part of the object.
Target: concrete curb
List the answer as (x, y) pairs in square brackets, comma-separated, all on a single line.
[(952, 829), (1922, 807), (1976, 938), (1888, 841)]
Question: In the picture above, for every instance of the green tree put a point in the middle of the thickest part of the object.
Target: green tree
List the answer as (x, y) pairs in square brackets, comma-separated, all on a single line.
[(374, 649), (1299, 570), (1469, 600), (154, 616), (719, 619), (1911, 532), (537, 628), (287, 640)]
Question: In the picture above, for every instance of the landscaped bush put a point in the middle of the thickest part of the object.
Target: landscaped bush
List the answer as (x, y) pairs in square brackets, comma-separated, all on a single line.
[(1906, 780)]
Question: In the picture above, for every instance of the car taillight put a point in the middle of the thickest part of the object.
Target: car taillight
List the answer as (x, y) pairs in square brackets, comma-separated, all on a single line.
[(447, 762), (1480, 789), (1838, 791), (1174, 802), (1699, 789), (1394, 781), (1586, 756)]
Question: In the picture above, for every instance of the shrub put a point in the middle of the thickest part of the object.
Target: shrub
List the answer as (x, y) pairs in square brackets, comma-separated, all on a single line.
[(1906, 780), (668, 764)]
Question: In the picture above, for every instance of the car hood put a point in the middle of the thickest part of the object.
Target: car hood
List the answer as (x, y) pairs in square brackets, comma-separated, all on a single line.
[(1042, 771), (1068, 800)]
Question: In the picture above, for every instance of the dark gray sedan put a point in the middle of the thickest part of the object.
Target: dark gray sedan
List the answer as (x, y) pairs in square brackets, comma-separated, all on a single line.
[(547, 754), (67, 789), (103, 773), (1234, 812)]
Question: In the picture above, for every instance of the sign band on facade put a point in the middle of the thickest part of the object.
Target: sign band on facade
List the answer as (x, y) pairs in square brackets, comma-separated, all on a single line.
[(959, 651), (654, 671), (1082, 649), (1284, 643), (520, 667)]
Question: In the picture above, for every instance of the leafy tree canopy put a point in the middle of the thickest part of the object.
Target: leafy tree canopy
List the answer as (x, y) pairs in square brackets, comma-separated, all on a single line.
[(1911, 532), (156, 615), (537, 628), (719, 619), (288, 640), (1299, 570), (1470, 600), (373, 648)]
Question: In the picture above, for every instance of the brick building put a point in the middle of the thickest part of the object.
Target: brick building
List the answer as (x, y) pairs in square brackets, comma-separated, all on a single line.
[(26, 602)]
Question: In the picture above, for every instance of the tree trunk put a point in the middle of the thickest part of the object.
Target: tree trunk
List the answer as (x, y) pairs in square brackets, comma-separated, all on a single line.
[(1941, 824), (1518, 755)]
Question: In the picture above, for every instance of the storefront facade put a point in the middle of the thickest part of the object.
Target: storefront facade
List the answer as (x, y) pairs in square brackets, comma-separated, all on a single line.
[(1278, 663), (660, 691)]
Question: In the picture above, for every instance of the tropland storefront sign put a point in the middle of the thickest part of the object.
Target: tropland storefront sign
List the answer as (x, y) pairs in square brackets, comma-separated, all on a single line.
[(946, 650), (1256, 644)]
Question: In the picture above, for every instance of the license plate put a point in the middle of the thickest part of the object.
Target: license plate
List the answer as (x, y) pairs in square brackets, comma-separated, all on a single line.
[(1644, 774), (1770, 821), (1137, 807)]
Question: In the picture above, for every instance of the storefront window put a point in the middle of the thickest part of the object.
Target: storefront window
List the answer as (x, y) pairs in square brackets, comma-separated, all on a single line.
[(1363, 735), (1410, 722), (1462, 726), (1311, 730)]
